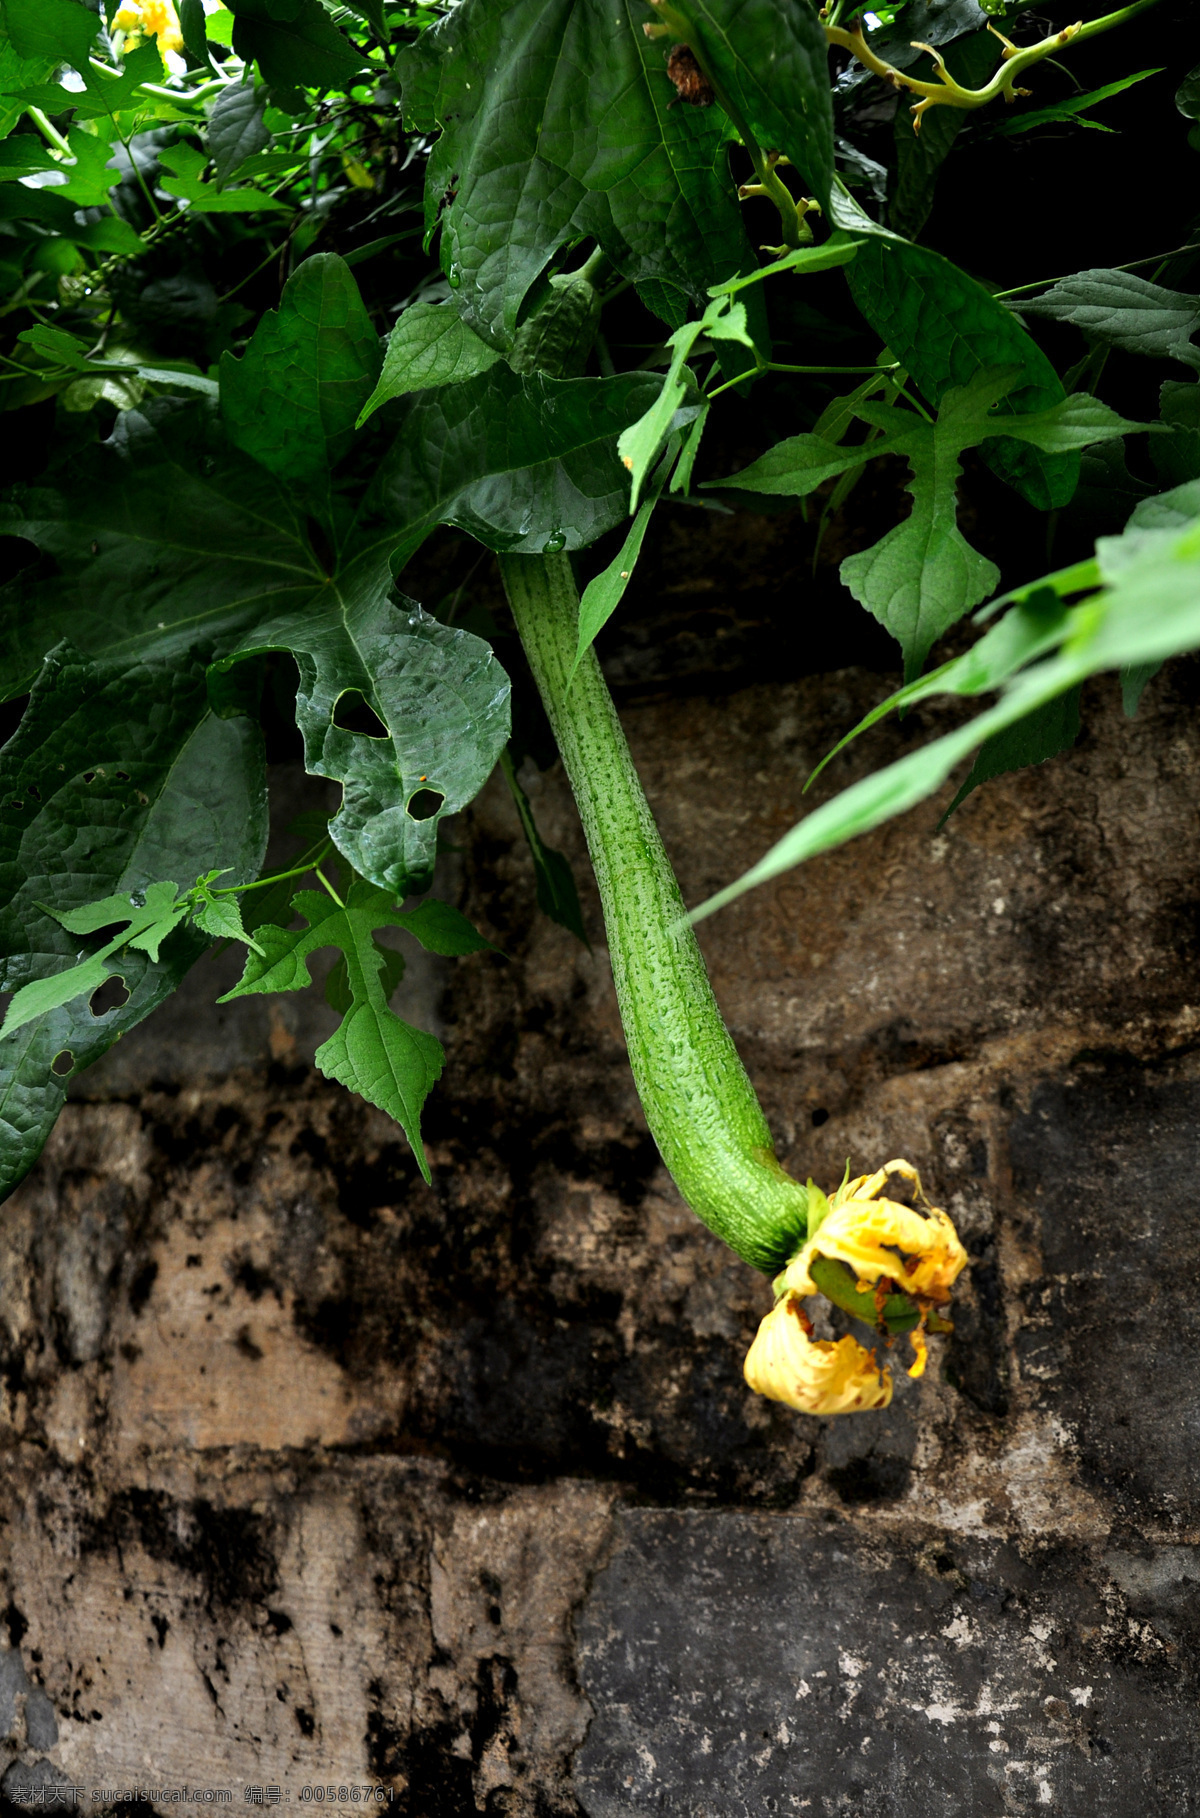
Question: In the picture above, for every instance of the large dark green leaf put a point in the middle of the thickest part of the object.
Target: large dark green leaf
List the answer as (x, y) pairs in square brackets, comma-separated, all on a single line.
[(292, 399), (771, 58), (61, 31), (295, 44), (944, 327), (162, 537), (165, 537), (118, 775), (557, 124), (523, 462)]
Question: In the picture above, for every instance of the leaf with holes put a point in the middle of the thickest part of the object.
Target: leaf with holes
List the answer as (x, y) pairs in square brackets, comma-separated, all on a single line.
[(118, 775), (373, 1051), (165, 535), (573, 133), (442, 702)]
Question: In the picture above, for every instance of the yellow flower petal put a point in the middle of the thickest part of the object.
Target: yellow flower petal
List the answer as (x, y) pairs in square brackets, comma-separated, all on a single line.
[(814, 1376), (919, 1251), (160, 18), (127, 18)]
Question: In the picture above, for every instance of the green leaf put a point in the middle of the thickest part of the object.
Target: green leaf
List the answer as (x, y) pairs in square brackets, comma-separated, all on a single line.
[(1149, 611), (771, 58), (521, 462), (922, 576), (430, 345), (1176, 454), (1119, 309), (641, 444), (56, 346), (17, 72), (184, 163), (21, 156), (236, 127), (439, 692), (944, 328), (90, 176), (373, 1052), (441, 928), (571, 133), (1071, 108), (557, 894), (1041, 735), (296, 45), (164, 536), (219, 916), (605, 591), (117, 775), (339, 994), (61, 31), (292, 399), (191, 29), (107, 92)]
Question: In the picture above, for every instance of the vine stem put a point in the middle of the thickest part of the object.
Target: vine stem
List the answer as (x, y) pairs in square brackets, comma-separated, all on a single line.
[(699, 1103)]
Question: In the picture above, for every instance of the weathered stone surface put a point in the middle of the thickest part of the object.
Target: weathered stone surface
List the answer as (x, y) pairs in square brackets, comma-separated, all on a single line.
[(739, 1664), (313, 1474)]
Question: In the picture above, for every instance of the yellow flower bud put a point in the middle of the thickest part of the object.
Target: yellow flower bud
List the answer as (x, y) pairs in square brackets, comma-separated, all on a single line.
[(127, 18), (814, 1376)]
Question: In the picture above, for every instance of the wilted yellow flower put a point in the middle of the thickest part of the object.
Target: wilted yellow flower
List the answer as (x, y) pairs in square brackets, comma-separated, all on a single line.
[(813, 1375), (919, 1251), (891, 1249)]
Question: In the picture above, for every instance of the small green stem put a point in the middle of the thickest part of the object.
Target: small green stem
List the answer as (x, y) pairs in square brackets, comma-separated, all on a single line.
[(48, 130), (699, 1103), (775, 366), (1123, 14), (260, 883), (329, 887)]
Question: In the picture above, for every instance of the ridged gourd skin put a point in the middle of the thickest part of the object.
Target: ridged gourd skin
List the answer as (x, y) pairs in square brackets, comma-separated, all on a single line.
[(701, 1108)]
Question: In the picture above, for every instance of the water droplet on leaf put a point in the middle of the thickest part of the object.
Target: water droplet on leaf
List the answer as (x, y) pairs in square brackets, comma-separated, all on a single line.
[(554, 542)]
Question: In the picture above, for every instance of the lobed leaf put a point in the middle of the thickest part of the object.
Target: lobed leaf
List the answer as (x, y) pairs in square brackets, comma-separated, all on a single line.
[(373, 1052)]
